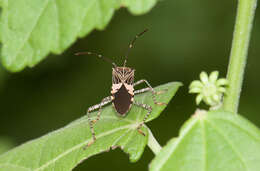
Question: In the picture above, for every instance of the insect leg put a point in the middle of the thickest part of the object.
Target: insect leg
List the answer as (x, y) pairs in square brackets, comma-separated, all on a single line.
[(149, 88), (142, 90), (105, 101), (149, 109)]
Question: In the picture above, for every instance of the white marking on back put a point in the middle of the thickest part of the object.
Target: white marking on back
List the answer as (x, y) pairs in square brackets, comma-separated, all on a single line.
[(130, 88), (115, 88)]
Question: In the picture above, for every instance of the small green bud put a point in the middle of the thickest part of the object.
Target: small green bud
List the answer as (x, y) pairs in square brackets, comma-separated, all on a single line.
[(210, 89)]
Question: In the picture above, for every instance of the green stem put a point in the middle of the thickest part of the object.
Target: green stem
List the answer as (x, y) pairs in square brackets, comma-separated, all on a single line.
[(153, 144), (238, 56)]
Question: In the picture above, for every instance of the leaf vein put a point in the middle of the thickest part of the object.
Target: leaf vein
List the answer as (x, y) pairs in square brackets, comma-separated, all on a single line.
[(242, 129), (204, 144), (35, 24), (222, 134), (118, 139), (40, 158), (85, 14), (57, 24), (80, 145), (13, 165)]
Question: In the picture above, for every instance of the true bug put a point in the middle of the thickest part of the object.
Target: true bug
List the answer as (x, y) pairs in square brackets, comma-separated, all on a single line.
[(122, 93)]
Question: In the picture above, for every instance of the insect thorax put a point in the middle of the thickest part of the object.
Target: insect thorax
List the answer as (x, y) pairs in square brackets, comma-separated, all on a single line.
[(123, 75)]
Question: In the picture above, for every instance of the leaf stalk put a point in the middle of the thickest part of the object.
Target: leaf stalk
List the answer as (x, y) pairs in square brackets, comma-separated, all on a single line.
[(153, 143), (239, 51)]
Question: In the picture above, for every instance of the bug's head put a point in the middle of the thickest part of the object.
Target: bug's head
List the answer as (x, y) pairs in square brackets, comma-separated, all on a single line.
[(123, 75)]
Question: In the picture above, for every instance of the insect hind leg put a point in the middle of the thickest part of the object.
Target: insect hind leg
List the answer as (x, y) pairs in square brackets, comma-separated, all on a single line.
[(149, 109), (92, 122)]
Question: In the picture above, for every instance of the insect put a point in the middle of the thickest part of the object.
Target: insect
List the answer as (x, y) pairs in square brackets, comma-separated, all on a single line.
[(122, 92)]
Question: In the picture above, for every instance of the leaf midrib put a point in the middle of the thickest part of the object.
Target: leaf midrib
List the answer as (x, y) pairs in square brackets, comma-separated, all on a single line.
[(64, 153), (84, 143)]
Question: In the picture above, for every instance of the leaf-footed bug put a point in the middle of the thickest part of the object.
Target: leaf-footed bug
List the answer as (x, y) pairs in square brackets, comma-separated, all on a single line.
[(122, 93)]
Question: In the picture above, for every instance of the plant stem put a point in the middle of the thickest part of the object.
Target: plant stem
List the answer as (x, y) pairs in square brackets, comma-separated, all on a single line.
[(239, 50), (153, 144)]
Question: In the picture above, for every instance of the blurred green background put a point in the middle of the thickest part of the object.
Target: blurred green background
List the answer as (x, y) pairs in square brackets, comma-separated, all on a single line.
[(184, 38)]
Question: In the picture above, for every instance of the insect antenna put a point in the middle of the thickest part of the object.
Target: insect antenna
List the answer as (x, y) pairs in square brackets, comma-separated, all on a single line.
[(132, 44), (98, 55)]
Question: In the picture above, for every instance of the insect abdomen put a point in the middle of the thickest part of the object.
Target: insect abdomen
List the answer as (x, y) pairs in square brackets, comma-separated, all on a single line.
[(122, 100)]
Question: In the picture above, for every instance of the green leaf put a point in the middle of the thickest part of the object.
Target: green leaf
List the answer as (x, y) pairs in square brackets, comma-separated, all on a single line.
[(213, 141), (62, 150), (31, 29), (5, 144)]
